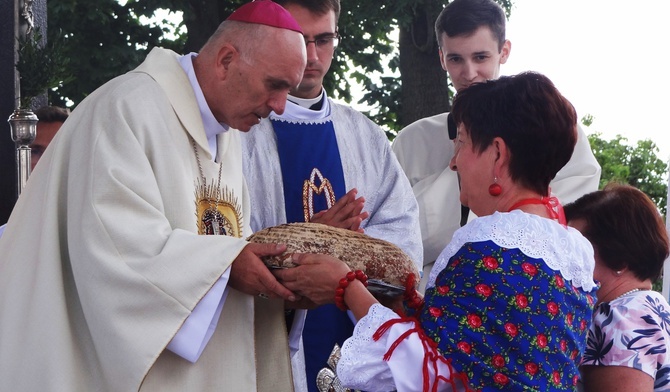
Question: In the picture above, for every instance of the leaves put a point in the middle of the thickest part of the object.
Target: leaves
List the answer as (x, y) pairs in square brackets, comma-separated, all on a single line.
[(106, 38), (637, 165), (40, 67), (102, 39)]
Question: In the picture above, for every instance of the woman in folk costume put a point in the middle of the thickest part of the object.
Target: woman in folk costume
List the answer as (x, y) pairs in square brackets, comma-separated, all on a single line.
[(510, 298)]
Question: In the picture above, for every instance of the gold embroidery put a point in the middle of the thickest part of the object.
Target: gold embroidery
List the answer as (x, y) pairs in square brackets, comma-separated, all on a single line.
[(217, 210), (309, 188)]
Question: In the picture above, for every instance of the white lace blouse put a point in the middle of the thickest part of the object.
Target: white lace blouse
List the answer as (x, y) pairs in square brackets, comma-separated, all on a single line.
[(362, 365)]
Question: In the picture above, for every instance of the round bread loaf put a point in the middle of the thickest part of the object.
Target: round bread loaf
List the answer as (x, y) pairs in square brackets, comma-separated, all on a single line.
[(379, 259)]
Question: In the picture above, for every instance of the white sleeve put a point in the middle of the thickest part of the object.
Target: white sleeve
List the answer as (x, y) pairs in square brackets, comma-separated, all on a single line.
[(581, 175), (194, 334), (362, 365)]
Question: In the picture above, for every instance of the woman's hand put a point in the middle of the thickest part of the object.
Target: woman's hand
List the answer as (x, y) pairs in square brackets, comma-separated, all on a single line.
[(315, 277)]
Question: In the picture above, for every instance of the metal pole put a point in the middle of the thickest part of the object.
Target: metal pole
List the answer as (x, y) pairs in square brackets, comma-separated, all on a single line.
[(23, 124)]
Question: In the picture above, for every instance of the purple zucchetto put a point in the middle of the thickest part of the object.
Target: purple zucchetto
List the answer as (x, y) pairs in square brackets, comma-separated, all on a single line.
[(265, 12)]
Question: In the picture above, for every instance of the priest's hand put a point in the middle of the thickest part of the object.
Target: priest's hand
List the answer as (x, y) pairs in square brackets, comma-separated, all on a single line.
[(346, 213), (250, 275)]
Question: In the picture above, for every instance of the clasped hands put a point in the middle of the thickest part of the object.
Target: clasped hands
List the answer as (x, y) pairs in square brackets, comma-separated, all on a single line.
[(313, 282)]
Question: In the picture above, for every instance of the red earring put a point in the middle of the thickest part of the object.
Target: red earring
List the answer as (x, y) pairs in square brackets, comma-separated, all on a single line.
[(495, 189)]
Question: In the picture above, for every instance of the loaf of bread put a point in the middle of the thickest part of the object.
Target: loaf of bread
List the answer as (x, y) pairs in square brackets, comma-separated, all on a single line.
[(379, 259)]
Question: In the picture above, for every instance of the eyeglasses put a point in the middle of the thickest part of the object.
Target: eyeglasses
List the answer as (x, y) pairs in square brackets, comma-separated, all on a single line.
[(327, 41)]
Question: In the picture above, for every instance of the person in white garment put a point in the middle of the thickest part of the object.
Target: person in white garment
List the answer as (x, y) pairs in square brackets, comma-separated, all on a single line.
[(510, 299), (325, 162), (472, 47), (124, 264)]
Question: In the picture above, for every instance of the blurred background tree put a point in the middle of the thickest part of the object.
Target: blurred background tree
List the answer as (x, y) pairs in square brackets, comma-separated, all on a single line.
[(107, 38), (638, 165)]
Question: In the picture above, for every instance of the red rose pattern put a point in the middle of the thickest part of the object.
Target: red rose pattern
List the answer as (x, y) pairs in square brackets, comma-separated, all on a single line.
[(511, 329), (490, 262), (529, 268), (556, 376), (483, 289), (474, 321), (500, 378), (531, 368), (465, 347), (522, 287), (498, 361), (521, 301), (559, 281)]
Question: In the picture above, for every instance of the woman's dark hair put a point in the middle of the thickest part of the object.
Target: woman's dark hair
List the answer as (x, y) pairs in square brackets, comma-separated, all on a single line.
[(625, 229), (536, 122)]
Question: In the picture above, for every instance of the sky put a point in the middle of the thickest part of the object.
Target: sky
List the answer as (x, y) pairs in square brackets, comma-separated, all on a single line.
[(609, 58)]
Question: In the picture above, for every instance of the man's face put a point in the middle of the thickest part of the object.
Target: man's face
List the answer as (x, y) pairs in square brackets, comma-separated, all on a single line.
[(320, 53), (254, 88), (45, 133), (472, 58)]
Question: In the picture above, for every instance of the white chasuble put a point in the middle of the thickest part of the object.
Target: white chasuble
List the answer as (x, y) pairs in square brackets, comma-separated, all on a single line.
[(102, 262)]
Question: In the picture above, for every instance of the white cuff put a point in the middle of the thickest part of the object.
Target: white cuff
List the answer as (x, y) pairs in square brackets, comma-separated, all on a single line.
[(192, 337)]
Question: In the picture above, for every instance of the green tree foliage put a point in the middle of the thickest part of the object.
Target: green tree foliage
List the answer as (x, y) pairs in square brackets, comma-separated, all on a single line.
[(41, 66), (636, 165), (102, 39), (105, 38)]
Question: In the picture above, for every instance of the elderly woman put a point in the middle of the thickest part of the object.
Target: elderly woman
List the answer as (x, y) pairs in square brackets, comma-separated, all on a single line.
[(509, 300), (628, 347)]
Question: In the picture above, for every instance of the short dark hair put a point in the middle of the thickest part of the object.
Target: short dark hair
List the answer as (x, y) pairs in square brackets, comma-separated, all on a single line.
[(464, 17), (625, 229), (318, 7), (52, 114), (538, 124)]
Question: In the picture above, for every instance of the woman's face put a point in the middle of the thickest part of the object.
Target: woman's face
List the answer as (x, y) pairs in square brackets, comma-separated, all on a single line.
[(475, 172)]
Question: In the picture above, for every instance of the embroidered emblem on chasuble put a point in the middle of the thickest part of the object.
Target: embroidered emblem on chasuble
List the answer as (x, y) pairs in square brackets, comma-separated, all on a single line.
[(311, 167), (310, 189), (218, 211)]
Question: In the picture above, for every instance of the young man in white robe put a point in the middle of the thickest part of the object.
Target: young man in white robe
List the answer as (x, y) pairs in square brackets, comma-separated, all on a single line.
[(108, 282), (472, 46), (324, 162)]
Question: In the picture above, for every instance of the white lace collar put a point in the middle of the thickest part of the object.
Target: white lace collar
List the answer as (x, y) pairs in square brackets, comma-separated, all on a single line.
[(562, 249), (295, 113)]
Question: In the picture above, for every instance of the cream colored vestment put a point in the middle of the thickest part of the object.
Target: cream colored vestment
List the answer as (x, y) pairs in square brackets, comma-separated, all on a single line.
[(101, 262)]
